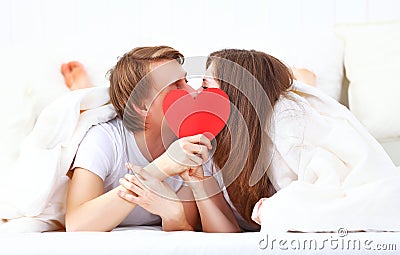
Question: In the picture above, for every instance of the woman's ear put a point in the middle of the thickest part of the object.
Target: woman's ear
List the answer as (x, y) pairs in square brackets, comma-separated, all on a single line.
[(142, 112)]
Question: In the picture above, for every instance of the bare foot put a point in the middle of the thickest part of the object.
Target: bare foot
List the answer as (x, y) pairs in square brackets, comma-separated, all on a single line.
[(75, 75), (305, 75)]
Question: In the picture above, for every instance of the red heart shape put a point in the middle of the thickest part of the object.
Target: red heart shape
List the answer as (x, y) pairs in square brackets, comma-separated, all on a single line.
[(207, 113)]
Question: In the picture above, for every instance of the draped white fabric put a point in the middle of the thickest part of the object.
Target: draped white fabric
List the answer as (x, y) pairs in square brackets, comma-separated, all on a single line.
[(330, 173), (32, 192)]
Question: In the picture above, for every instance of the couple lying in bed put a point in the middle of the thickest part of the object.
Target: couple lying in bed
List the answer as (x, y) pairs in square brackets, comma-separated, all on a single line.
[(133, 171)]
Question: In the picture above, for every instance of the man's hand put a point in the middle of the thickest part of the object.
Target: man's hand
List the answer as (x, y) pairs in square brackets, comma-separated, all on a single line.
[(151, 194), (185, 153)]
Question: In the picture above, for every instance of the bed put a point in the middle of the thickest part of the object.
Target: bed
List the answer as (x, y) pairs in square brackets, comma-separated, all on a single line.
[(335, 49), (150, 240)]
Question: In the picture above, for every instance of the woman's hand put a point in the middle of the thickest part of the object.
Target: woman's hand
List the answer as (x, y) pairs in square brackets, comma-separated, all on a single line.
[(185, 153), (155, 197), (202, 186), (194, 177)]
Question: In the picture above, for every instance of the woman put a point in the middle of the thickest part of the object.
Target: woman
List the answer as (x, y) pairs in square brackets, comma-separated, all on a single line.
[(324, 162), (254, 82), (94, 198)]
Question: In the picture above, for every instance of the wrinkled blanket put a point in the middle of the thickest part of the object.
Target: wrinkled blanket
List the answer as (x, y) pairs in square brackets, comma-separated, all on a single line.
[(33, 189), (330, 173)]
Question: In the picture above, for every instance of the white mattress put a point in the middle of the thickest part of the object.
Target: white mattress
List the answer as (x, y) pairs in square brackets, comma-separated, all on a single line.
[(148, 240)]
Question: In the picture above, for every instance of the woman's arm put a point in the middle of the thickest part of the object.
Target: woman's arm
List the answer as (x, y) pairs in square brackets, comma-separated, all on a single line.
[(189, 205), (89, 208), (215, 213), (189, 218)]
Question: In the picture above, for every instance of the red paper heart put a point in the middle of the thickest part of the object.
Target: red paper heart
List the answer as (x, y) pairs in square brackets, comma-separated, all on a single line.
[(206, 114)]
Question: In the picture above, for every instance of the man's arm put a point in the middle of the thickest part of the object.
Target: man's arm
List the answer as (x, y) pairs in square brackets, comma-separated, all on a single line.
[(89, 208), (158, 198)]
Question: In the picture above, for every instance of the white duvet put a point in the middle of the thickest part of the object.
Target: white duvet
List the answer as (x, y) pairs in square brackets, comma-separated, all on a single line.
[(330, 173), (33, 188)]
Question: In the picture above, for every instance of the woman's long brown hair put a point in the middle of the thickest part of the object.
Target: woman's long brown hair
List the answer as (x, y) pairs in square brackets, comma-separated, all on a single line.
[(231, 155)]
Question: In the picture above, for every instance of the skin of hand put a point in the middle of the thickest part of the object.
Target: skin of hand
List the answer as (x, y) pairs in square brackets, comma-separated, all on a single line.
[(154, 196), (194, 177), (183, 154)]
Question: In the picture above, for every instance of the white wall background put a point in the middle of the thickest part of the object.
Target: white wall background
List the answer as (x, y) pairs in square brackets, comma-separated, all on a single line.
[(96, 32), (194, 26)]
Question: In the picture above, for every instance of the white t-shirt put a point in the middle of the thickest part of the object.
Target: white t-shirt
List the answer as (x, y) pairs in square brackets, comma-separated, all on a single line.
[(104, 151)]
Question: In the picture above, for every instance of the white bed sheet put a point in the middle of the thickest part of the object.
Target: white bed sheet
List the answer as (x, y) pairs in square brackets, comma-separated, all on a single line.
[(149, 240)]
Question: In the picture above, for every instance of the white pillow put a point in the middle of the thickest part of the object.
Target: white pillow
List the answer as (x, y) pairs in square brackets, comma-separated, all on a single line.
[(372, 63), (321, 53)]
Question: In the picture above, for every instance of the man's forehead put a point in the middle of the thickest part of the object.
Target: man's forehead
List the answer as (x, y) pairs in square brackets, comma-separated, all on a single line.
[(167, 73)]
